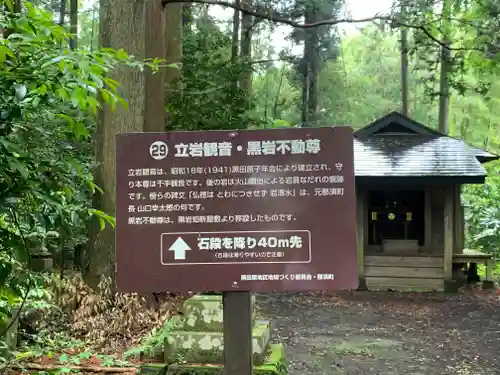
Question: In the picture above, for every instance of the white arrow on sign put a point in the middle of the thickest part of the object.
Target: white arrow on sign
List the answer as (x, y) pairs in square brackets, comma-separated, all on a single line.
[(179, 247)]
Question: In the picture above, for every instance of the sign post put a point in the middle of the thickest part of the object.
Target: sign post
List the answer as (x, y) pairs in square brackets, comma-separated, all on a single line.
[(239, 212), (237, 321)]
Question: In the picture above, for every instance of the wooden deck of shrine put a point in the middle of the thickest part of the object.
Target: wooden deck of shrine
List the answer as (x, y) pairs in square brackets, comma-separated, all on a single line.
[(414, 271)]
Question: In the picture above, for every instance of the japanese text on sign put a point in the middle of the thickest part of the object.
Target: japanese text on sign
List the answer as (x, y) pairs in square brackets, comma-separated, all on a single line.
[(292, 246), (259, 210)]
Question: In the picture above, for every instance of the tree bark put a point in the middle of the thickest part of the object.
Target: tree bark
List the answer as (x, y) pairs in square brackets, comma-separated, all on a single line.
[(405, 103), (73, 21), (405, 107), (404, 49), (18, 6), (236, 33), (305, 84), (311, 69), (246, 49), (444, 79), (235, 41), (173, 50), (62, 12), (187, 15), (444, 91), (138, 26)]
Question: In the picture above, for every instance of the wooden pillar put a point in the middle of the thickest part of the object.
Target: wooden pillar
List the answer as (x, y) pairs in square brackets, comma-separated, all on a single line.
[(448, 233), (457, 218), (462, 227), (488, 282), (360, 215), (428, 220), (364, 196), (237, 322), (490, 264)]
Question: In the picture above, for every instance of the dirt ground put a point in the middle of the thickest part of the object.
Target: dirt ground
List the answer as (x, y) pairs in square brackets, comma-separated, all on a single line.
[(367, 333)]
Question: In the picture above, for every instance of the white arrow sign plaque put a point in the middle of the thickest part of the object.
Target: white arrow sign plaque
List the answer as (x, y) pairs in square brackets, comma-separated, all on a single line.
[(179, 247)]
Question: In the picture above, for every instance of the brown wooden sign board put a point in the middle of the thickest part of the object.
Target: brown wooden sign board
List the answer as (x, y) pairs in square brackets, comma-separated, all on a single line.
[(253, 210)]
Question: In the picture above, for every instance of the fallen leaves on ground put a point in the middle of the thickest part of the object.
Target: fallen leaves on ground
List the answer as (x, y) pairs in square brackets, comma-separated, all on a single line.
[(432, 332), (93, 328)]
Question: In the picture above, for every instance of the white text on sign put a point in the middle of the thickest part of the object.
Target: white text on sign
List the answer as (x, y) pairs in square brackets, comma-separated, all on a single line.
[(253, 148), (240, 243)]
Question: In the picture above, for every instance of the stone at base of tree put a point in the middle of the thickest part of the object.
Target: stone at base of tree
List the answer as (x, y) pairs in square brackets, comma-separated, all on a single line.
[(274, 364), (488, 284), (42, 264), (451, 286), (362, 285)]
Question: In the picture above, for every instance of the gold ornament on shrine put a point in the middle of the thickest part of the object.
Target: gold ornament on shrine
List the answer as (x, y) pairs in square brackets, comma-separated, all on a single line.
[(391, 216)]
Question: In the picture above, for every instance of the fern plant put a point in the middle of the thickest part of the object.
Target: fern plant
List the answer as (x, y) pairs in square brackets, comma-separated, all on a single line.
[(154, 340)]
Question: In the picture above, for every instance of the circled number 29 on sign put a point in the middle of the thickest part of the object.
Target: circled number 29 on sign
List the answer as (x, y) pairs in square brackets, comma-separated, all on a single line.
[(158, 150)]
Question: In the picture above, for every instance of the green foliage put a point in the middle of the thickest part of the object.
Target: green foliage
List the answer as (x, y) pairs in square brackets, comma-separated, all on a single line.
[(324, 39), (275, 96), (50, 96), (209, 100), (482, 204), (365, 84), (155, 340)]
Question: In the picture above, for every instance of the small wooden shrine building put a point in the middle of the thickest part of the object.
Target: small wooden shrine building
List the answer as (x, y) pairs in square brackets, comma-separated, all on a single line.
[(410, 217)]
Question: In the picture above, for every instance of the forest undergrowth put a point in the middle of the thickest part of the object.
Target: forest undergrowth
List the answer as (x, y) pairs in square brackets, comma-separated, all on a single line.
[(75, 328)]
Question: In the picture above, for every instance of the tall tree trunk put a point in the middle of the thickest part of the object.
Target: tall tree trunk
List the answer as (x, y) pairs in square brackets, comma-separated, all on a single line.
[(62, 12), (235, 42), (246, 49), (487, 138), (278, 92), (173, 51), (138, 26), (236, 33), (18, 6), (204, 16), (187, 15), (464, 128), (73, 21), (444, 90), (304, 115), (311, 67), (444, 79), (312, 100), (405, 103)]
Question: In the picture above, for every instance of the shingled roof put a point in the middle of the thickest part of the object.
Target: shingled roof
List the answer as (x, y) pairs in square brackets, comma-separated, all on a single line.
[(397, 146)]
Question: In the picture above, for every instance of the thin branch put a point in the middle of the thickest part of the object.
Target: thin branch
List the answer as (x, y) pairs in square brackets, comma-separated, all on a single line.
[(39, 367), (29, 286), (274, 16), (266, 61)]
